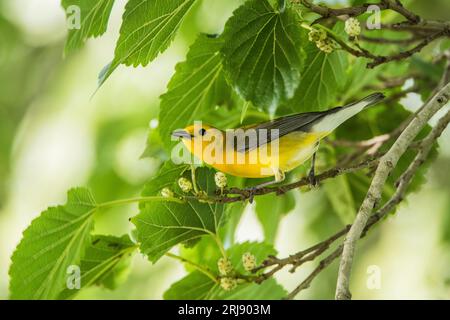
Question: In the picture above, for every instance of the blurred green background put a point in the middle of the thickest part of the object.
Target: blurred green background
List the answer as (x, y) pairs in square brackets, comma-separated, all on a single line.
[(54, 136)]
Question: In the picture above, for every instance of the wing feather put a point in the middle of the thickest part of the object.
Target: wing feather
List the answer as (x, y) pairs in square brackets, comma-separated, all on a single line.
[(296, 122)]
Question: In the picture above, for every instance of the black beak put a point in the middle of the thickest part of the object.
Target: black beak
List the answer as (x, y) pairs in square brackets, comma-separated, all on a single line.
[(181, 134)]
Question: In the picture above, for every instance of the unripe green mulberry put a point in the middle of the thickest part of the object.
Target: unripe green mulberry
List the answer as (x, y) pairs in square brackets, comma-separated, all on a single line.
[(167, 193), (248, 261), (326, 45), (224, 265), (352, 27), (185, 184), (228, 284), (317, 35), (221, 180)]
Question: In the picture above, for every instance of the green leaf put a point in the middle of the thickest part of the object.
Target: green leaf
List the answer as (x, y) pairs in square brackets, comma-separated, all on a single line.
[(322, 78), (234, 212), (431, 75), (154, 147), (359, 76), (106, 262), (54, 241), (148, 27), (94, 17), (198, 286), (162, 225), (166, 178), (244, 111), (205, 253), (268, 290), (194, 286), (196, 88), (270, 208), (340, 195), (262, 53)]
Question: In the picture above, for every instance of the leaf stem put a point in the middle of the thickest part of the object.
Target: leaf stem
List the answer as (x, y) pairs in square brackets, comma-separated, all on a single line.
[(200, 268), (219, 244), (194, 180)]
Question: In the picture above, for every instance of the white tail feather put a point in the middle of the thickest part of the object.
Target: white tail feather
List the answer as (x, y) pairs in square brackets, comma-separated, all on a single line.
[(333, 120)]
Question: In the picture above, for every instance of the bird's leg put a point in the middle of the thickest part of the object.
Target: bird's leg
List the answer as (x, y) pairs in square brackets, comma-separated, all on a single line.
[(279, 177), (193, 178), (311, 175)]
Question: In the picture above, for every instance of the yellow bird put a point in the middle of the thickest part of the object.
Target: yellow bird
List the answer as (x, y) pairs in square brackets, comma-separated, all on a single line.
[(271, 148)]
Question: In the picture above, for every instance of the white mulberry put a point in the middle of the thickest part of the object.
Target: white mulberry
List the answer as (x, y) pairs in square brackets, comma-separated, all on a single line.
[(352, 27), (185, 184), (228, 284), (221, 180), (248, 261), (167, 193), (326, 45), (317, 35), (224, 265)]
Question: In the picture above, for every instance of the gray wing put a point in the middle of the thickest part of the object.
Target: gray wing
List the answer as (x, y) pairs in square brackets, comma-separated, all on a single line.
[(296, 122), (285, 125)]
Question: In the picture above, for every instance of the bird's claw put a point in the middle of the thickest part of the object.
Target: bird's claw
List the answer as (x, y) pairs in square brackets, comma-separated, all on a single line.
[(251, 191), (313, 180)]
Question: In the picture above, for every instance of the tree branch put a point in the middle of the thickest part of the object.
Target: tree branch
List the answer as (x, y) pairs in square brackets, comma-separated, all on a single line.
[(243, 194), (386, 165), (327, 12)]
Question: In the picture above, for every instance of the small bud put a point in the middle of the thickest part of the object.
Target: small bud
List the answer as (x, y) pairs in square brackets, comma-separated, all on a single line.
[(317, 35), (201, 196), (228, 284), (352, 27), (221, 180), (167, 193), (185, 185), (224, 265), (248, 261), (326, 45)]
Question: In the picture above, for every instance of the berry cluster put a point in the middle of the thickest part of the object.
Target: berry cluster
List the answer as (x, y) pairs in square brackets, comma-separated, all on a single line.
[(323, 42), (352, 27), (248, 261), (225, 267), (227, 281)]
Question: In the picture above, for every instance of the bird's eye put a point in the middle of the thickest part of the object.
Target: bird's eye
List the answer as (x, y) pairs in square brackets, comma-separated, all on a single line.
[(202, 131)]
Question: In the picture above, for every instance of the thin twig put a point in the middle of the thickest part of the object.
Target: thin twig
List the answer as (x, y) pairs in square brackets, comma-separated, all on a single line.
[(405, 54), (322, 265), (397, 6), (389, 41)]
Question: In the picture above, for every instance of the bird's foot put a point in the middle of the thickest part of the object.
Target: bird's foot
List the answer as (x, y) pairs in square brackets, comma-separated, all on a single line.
[(312, 179), (251, 192)]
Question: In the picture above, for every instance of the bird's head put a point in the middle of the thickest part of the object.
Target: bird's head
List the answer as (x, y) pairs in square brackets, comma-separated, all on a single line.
[(198, 135)]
